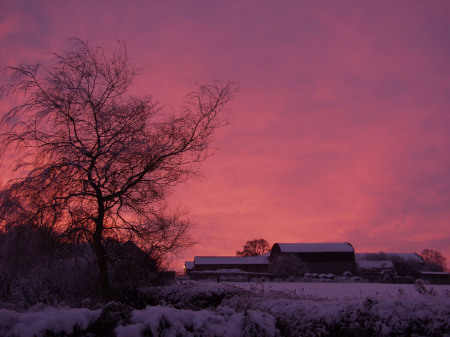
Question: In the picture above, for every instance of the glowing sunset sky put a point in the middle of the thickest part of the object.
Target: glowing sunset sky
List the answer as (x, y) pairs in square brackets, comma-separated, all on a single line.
[(341, 129)]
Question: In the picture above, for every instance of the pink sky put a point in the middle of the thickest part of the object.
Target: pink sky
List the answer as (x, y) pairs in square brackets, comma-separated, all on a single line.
[(341, 129)]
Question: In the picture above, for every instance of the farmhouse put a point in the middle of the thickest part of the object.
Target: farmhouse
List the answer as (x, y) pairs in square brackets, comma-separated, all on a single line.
[(335, 258), (374, 271), (188, 266), (404, 264), (407, 257), (129, 253), (375, 266)]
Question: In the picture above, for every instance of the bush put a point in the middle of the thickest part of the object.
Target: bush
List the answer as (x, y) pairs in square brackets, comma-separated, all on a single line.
[(36, 267), (193, 296)]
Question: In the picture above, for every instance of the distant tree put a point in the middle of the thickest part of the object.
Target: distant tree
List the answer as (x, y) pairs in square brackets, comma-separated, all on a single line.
[(288, 266), (406, 266), (434, 260), (99, 163), (254, 248)]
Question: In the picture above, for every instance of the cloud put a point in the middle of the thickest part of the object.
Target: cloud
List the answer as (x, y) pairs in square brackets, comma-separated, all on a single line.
[(339, 132)]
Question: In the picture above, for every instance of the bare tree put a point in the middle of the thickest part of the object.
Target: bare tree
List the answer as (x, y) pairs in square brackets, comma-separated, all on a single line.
[(254, 248), (167, 234), (99, 162), (434, 260)]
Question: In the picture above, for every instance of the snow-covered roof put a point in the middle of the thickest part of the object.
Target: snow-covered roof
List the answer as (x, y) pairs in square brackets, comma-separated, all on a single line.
[(224, 271), (315, 247), (435, 273), (189, 264), (227, 260), (364, 264), (405, 256)]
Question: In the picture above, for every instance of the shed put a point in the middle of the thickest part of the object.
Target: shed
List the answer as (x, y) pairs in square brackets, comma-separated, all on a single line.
[(253, 264), (335, 258), (435, 277)]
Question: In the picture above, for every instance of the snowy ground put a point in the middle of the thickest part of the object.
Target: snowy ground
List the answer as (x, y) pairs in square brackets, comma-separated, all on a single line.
[(252, 309), (344, 291)]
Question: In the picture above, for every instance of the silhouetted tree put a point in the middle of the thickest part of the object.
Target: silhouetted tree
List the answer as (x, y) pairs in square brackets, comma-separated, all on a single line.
[(381, 256), (406, 266), (99, 163), (288, 266), (254, 248), (434, 260)]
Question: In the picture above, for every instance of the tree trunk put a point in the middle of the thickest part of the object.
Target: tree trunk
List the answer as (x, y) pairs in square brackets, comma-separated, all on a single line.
[(101, 257), (102, 268)]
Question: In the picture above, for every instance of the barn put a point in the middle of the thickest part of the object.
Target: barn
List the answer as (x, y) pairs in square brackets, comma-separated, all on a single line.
[(335, 258)]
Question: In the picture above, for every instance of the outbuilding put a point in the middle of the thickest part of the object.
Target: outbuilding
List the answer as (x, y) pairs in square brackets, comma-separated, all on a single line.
[(252, 264)]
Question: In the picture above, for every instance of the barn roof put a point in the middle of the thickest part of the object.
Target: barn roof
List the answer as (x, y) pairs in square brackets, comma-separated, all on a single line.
[(227, 260), (315, 247), (189, 264)]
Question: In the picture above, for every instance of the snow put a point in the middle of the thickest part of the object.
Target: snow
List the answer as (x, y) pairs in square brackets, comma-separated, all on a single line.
[(260, 309), (316, 309), (303, 309), (223, 322), (225, 271), (342, 291), (315, 247), (57, 320), (227, 260), (435, 273)]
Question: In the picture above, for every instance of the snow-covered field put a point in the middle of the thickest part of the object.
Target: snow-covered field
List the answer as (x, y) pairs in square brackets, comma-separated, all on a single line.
[(252, 309), (345, 291)]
